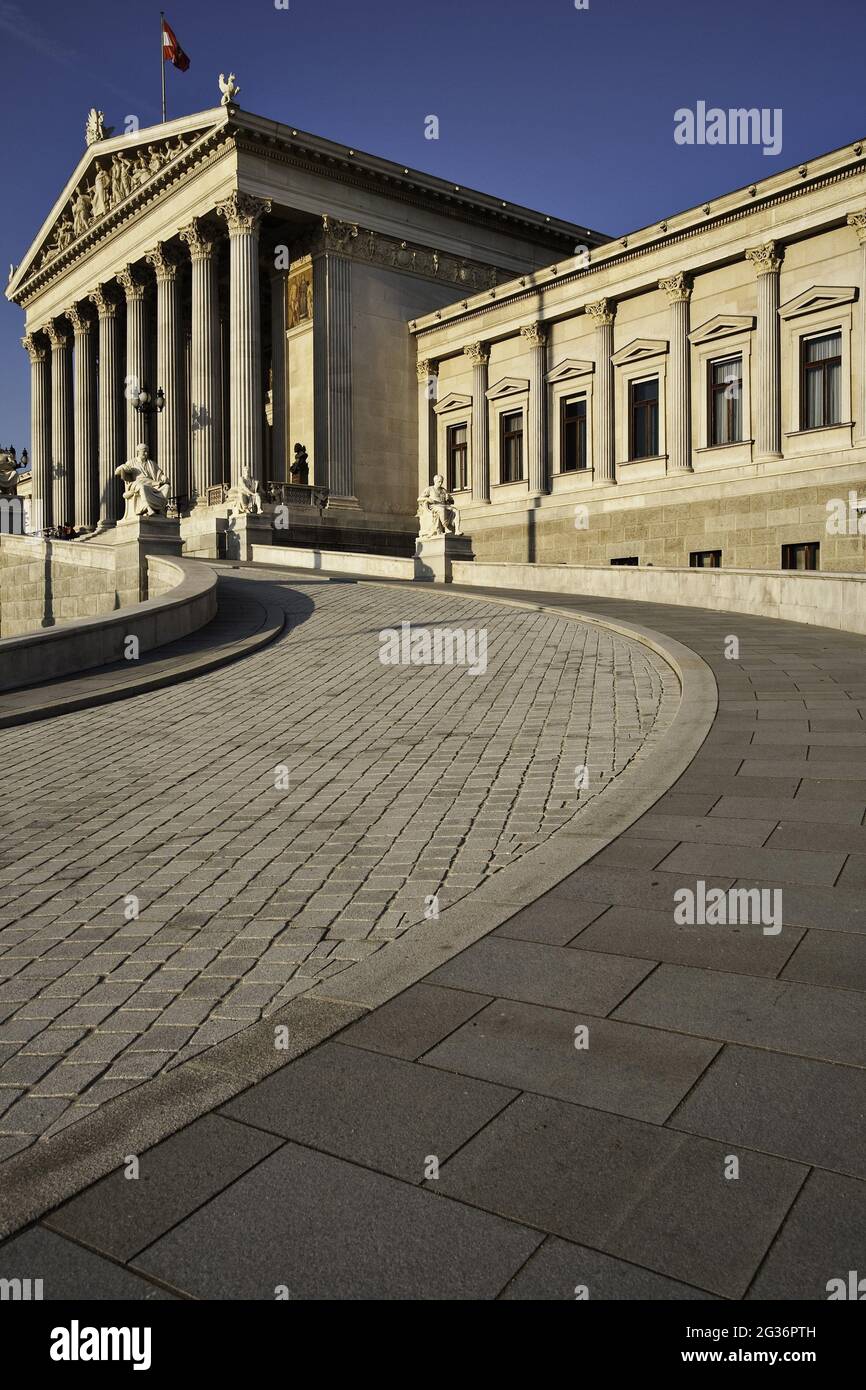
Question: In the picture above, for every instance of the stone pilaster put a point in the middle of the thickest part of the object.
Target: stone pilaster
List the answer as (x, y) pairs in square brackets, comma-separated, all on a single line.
[(84, 395), (63, 480), (279, 460), (332, 361), (170, 453), (535, 336), (135, 377), (40, 432), (479, 356), (428, 382), (110, 415), (243, 215), (602, 314), (767, 262), (679, 416), (206, 394), (857, 220)]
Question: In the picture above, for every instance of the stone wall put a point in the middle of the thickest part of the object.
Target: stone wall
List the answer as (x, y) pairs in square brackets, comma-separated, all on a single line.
[(45, 583)]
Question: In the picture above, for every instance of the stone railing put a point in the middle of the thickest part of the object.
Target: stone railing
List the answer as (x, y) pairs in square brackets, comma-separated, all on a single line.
[(182, 599)]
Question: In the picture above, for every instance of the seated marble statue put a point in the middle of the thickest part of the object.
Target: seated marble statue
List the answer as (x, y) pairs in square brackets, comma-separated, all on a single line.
[(146, 489), (437, 513), (245, 498), (8, 472)]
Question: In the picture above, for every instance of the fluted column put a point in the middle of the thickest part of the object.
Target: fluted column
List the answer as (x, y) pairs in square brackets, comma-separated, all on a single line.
[(428, 374), (243, 215), (205, 403), (479, 356), (111, 451), (278, 374), (135, 376), (170, 454), (679, 415), (332, 362), (857, 220), (40, 432), (84, 392), (63, 489), (604, 438), (767, 262), (537, 423)]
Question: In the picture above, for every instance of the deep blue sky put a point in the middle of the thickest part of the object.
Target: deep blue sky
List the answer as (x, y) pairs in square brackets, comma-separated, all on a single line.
[(569, 112)]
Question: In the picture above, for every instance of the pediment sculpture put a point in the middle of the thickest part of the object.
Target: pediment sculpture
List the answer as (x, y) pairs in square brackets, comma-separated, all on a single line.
[(437, 514), (146, 488)]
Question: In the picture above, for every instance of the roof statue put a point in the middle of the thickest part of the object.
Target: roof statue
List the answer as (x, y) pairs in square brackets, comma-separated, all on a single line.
[(229, 88), (95, 129)]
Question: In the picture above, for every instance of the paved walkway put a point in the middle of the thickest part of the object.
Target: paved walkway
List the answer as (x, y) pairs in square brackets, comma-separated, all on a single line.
[(590, 1097)]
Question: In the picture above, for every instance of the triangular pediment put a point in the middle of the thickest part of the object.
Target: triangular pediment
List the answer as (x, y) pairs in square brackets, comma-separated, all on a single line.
[(567, 368), (722, 326), (638, 349), (109, 181), (818, 298), (453, 401), (508, 386)]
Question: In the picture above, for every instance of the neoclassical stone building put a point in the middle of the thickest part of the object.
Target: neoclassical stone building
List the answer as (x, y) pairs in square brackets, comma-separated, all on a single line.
[(691, 393), (261, 279)]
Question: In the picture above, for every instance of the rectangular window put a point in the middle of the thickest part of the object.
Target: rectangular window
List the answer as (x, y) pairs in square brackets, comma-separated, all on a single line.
[(820, 381), (803, 556), (511, 447), (726, 401), (705, 559), (644, 419), (572, 435), (456, 455), (626, 560)]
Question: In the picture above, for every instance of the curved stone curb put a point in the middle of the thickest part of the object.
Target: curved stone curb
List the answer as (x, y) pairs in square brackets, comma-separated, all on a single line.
[(197, 664), (43, 1176)]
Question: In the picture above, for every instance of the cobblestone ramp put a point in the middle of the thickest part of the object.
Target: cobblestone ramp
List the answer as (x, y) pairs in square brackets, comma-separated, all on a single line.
[(274, 821)]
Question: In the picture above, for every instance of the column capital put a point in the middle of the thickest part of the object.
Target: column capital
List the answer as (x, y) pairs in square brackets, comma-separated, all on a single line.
[(132, 285), (56, 337), (104, 302), (80, 320), (336, 235), (857, 220), (678, 288), (534, 334), (163, 262), (427, 367), (243, 213), (201, 242), (602, 312), (478, 353), (766, 259), (36, 350)]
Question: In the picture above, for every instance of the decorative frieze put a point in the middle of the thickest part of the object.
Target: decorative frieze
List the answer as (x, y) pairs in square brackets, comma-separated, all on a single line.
[(348, 239)]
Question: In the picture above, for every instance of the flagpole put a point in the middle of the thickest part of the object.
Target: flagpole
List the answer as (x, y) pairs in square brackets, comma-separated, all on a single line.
[(162, 58)]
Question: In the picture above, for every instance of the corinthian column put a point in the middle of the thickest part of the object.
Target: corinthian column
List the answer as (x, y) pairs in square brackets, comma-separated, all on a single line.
[(604, 448), (243, 215), (136, 355), (110, 418), (40, 432), (679, 420), (63, 490), (278, 374), (479, 356), (537, 424), (205, 392), (84, 377), (767, 262), (428, 376), (857, 220), (169, 444)]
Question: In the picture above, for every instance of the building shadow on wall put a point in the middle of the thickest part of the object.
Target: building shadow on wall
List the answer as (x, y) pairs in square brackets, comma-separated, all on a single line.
[(531, 556), (48, 619)]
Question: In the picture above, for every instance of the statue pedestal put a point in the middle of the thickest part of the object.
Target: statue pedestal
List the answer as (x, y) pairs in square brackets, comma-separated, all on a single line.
[(132, 542), (434, 555), (247, 530), (203, 531)]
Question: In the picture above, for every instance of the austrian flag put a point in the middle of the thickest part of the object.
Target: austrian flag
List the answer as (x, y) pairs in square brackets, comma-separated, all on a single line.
[(171, 49)]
